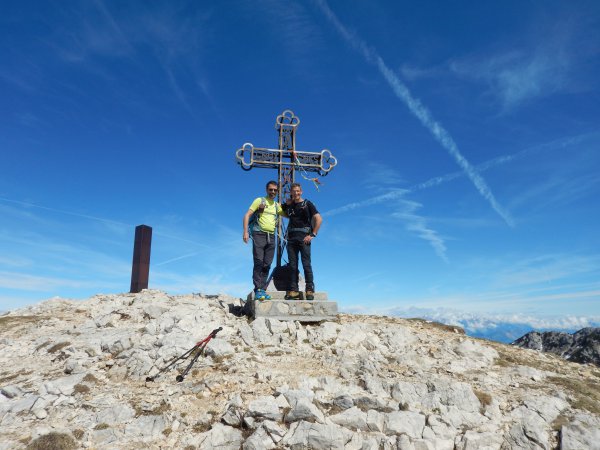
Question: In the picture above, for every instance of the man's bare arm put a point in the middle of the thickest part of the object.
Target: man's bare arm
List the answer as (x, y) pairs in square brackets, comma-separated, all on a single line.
[(245, 235)]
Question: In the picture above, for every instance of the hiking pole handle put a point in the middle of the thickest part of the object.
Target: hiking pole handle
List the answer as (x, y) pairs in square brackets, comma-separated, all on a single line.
[(214, 332)]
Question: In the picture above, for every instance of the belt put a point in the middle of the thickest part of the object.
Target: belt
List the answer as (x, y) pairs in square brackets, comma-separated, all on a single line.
[(305, 229)]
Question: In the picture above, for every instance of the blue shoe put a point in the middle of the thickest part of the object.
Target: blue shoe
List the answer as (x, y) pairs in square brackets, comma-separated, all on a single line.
[(261, 295)]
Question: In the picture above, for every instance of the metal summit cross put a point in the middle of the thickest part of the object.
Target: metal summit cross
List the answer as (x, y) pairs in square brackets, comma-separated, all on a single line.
[(287, 160)]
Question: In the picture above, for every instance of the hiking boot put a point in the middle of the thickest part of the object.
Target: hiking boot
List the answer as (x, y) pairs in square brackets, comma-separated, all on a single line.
[(261, 295), (292, 295), (310, 295)]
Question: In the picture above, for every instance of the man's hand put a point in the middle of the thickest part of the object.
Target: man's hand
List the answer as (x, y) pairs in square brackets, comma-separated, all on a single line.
[(245, 237), (307, 239)]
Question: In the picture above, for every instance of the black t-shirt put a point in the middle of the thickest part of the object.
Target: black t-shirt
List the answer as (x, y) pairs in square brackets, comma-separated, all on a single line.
[(300, 215)]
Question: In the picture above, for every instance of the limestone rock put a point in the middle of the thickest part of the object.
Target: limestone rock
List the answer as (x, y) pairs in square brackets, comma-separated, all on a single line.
[(404, 422), (582, 432), (265, 407), (11, 391), (316, 436), (352, 418), (259, 440), (361, 382), (220, 437)]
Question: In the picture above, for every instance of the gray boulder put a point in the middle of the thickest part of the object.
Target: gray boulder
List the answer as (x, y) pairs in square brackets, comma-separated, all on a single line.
[(583, 432), (408, 422), (220, 437), (145, 428), (352, 418), (264, 407), (316, 436)]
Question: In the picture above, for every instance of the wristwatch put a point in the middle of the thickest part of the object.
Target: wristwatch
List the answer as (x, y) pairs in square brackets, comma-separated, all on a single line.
[(313, 235)]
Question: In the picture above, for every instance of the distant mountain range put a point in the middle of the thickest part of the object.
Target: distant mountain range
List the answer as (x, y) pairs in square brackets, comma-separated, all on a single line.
[(582, 346)]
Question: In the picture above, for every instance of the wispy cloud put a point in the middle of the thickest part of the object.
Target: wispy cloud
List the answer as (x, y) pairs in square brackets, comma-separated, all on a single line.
[(518, 76), (570, 299), (121, 39), (404, 210), (160, 36), (558, 189), (546, 62), (546, 269), (294, 30), (381, 176), (418, 224), (418, 110), (14, 261), (174, 84), (16, 81), (26, 282)]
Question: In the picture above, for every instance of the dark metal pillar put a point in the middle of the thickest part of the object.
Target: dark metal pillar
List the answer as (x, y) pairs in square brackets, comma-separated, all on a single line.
[(140, 268)]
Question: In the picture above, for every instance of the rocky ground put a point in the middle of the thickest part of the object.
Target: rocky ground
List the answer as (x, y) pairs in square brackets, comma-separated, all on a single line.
[(72, 375)]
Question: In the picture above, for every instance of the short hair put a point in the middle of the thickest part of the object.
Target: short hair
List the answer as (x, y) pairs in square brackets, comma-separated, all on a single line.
[(293, 185), (270, 183)]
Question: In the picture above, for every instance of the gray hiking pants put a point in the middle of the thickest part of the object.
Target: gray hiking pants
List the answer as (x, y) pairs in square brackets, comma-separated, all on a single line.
[(263, 250)]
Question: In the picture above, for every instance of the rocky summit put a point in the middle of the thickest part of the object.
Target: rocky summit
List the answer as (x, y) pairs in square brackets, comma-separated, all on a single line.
[(582, 346), (73, 375)]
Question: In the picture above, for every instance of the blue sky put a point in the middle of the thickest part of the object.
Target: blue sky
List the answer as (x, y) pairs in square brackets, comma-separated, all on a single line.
[(466, 136)]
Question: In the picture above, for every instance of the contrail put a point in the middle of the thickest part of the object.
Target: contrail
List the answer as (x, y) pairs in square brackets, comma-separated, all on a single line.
[(176, 259), (392, 195), (499, 160), (62, 211), (98, 219), (418, 109)]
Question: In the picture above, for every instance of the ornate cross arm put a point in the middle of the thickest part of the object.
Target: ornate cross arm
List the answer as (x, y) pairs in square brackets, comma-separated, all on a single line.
[(249, 156)]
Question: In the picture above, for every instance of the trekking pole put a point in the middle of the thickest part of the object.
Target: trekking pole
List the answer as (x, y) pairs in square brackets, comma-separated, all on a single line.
[(199, 348)]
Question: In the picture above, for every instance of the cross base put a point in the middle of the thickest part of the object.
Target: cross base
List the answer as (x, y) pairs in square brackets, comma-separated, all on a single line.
[(317, 310)]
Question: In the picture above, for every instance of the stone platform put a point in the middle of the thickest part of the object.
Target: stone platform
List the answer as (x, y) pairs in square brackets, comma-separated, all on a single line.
[(316, 310)]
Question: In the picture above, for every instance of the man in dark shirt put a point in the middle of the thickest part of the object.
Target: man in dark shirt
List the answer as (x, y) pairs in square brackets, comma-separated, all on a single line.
[(303, 227)]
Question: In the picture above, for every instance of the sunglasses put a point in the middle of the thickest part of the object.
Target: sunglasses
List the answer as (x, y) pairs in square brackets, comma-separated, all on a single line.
[(273, 190)]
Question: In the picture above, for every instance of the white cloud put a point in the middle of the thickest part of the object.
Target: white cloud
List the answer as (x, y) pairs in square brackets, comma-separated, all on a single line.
[(482, 321)]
